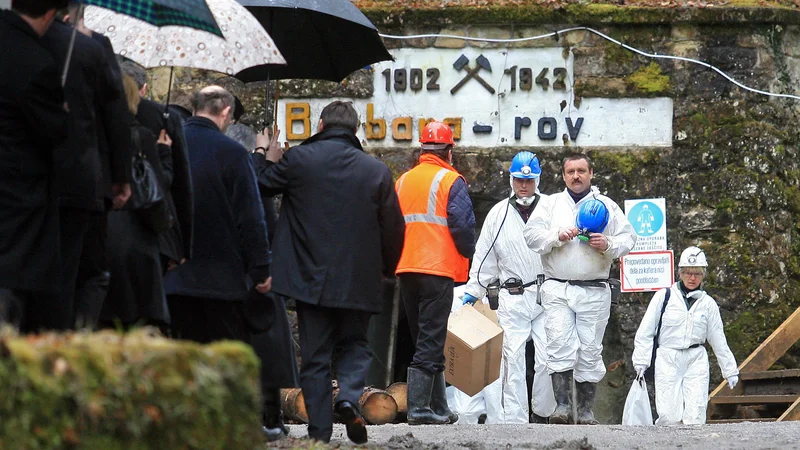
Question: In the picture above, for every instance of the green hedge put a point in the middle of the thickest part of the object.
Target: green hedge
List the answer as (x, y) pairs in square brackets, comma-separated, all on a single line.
[(135, 391)]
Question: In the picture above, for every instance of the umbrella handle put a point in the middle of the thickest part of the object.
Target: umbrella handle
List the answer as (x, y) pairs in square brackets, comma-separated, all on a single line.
[(71, 46)]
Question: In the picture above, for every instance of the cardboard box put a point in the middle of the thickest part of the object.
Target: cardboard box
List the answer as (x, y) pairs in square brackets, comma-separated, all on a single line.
[(473, 350)]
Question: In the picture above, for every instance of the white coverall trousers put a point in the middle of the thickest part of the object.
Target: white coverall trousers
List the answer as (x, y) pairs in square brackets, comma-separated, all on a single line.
[(575, 323), (681, 379), (522, 321)]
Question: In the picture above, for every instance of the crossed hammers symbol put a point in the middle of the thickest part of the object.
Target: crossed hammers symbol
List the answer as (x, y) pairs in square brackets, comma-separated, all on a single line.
[(463, 62)]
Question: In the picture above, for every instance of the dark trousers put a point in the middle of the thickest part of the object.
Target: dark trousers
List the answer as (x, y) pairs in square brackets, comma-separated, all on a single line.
[(91, 286), (14, 306), (74, 223), (207, 320), (428, 300), (323, 330)]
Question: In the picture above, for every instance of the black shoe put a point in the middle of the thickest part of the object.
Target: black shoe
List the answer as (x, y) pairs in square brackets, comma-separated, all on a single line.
[(273, 434), (272, 423), (562, 387), (354, 423)]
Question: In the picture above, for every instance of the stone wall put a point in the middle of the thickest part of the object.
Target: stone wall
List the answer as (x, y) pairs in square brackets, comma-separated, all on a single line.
[(731, 178)]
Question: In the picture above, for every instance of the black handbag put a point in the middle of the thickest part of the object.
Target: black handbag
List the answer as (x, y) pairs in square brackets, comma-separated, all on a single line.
[(259, 311), (147, 195)]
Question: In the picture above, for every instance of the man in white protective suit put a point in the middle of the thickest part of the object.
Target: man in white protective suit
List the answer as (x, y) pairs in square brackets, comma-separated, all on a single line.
[(576, 294), (690, 319), (501, 256)]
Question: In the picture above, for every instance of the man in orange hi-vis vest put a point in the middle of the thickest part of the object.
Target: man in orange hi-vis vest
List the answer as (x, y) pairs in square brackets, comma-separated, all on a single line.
[(439, 240)]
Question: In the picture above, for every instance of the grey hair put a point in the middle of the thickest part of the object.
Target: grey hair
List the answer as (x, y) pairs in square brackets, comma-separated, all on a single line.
[(133, 70), (242, 134)]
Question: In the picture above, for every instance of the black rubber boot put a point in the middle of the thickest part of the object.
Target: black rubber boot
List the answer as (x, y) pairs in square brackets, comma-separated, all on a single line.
[(535, 418), (420, 386), (585, 400), (562, 387), (272, 418), (439, 399)]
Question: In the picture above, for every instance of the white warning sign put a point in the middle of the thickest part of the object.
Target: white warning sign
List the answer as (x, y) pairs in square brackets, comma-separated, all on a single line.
[(647, 271)]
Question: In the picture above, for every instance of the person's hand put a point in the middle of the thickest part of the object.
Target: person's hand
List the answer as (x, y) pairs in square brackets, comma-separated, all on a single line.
[(640, 371), (171, 264), (599, 241), (274, 149), (264, 287), (468, 298), (164, 138), (565, 234), (122, 192), (733, 380)]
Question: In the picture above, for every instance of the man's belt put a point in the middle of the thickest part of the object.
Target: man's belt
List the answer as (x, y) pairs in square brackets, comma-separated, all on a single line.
[(695, 345), (600, 282)]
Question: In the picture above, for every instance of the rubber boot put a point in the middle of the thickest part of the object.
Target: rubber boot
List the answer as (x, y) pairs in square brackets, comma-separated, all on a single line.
[(420, 387), (535, 418), (585, 400), (272, 418), (439, 399), (562, 387)]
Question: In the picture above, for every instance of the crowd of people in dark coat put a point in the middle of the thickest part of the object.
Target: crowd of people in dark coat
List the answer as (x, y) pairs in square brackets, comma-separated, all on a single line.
[(82, 245)]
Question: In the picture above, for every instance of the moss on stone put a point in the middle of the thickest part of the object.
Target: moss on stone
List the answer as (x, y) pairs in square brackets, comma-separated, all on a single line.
[(650, 80), (133, 391)]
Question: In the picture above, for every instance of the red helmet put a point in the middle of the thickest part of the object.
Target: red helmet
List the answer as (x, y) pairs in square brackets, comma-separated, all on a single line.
[(437, 133)]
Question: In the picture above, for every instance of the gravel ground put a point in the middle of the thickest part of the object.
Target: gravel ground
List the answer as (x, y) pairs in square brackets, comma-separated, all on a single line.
[(745, 436)]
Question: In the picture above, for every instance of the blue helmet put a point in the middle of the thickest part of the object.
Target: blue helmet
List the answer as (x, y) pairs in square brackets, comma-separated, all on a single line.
[(525, 165), (592, 217)]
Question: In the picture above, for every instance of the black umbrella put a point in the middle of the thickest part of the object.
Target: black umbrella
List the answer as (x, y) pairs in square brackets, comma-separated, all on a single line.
[(320, 39)]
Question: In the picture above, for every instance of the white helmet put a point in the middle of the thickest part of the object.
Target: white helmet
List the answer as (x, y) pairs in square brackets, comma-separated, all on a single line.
[(693, 257)]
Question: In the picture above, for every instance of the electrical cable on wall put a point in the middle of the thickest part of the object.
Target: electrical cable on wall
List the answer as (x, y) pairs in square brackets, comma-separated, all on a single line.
[(606, 37)]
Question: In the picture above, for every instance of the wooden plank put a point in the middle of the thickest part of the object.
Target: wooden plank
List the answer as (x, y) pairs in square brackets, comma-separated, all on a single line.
[(785, 336), (753, 399), (758, 419), (770, 374), (792, 413)]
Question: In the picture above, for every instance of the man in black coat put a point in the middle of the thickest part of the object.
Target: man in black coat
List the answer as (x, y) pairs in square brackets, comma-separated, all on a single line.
[(340, 229), (79, 172), (32, 124), (114, 144), (206, 294), (176, 243)]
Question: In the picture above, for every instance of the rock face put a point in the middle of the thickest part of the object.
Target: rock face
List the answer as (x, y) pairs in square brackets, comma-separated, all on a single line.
[(731, 178)]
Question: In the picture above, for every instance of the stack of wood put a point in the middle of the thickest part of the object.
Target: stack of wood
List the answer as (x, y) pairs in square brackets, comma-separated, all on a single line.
[(378, 406)]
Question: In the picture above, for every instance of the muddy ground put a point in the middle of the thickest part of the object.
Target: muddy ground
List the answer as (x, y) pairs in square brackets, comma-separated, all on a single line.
[(744, 436)]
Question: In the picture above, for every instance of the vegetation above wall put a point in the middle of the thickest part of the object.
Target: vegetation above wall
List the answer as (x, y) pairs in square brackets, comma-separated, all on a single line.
[(387, 14)]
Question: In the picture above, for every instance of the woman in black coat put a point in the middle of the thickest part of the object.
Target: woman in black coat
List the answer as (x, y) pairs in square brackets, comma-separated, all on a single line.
[(275, 347), (136, 291)]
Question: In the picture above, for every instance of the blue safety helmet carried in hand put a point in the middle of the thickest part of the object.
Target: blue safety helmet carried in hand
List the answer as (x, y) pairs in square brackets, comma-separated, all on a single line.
[(592, 218), (525, 165)]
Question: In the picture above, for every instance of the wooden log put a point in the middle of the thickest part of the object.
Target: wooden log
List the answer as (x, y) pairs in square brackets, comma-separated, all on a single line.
[(399, 391), (377, 406), (294, 405)]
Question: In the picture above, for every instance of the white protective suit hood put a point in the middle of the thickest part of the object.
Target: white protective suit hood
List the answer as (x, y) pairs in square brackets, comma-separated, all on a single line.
[(524, 201)]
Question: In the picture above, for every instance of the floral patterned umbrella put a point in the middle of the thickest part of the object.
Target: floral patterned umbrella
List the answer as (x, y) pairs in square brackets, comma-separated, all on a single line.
[(246, 44)]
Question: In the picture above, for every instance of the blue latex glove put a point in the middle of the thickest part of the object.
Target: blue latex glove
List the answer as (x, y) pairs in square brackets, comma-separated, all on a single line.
[(468, 298)]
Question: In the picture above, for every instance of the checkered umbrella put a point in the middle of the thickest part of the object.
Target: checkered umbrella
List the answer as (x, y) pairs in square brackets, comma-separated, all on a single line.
[(160, 13)]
